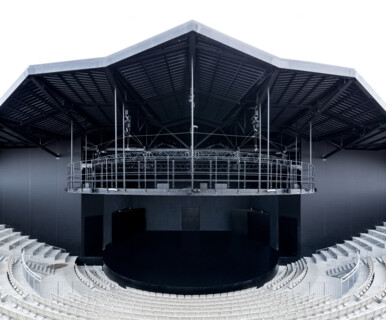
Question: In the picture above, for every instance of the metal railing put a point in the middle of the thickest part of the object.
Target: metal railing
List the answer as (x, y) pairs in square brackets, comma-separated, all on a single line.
[(32, 278), (348, 280), (169, 170)]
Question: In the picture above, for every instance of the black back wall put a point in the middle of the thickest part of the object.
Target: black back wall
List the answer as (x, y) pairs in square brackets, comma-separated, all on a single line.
[(351, 196), (165, 213), (33, 199)]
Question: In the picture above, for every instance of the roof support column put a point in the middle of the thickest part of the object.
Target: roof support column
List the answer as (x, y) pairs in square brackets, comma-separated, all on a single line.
[(192, 124), (310, 143), (116, 137), (72, 156), (123, 147), (268, 137), (259, 147)]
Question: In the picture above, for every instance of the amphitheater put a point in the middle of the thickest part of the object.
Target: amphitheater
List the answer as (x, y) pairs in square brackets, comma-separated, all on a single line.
[(192, 176), (345, 281)]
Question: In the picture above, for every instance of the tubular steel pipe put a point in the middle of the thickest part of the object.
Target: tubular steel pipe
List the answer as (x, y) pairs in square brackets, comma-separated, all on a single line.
[(259, 147), (116, 137), (192, 125), (268, 132), (123, 146)]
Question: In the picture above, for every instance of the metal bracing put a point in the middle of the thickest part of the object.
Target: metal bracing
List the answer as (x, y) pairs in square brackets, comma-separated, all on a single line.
[(122, 84), (319, 106), (168, 172), (323, 105), (356, 140), (56, 104), (30, 140), (153, 81)]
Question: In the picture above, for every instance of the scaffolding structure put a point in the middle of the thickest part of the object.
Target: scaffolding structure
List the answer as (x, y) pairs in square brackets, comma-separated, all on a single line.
[(169, 172)]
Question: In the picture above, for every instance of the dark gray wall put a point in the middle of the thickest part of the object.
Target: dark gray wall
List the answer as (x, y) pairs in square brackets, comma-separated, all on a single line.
[(32, 196), (351, 196)]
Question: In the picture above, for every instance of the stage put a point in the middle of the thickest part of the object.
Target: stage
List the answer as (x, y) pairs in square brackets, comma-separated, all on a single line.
[(190, 262)]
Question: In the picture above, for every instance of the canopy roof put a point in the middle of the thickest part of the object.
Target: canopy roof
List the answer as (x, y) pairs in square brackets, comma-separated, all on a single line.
[(230, 77)]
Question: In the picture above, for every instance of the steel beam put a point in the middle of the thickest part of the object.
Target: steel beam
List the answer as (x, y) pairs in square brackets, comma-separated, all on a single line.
[(323, 104), (319, 106), (31, 141), (56, 104), (352, 142)]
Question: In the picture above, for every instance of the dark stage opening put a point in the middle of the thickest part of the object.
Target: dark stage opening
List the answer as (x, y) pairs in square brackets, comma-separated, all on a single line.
[(192, 262)]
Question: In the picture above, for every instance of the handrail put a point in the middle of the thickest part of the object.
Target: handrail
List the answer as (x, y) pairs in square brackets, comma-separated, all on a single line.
[(353, 270), (169, 170), (25, 266)]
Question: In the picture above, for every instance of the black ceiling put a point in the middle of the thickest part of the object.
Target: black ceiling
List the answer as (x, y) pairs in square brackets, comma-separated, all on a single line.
[(154, 84)]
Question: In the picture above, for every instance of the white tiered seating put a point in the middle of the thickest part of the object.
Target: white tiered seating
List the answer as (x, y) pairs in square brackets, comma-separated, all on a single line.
[(277, 278), (304, 268), (95, 279), (82, 278), (363, 289), (106, 280), (101, 298), (11, 277)]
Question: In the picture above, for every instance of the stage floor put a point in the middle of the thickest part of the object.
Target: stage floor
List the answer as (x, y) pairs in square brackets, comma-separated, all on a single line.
[(190, 262)]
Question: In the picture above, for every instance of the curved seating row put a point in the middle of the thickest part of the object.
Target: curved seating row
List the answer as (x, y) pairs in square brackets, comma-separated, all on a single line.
[(12, 280), (341, 270), (106, 280), (303, 267), (101, 298), (96, 280), (83, 278), (365, 286)]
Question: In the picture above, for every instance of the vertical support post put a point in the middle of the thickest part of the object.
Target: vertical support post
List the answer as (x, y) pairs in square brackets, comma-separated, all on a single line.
[(173, 173), (139, 174), (310, 173), (155, 174), (245, 174), (116, 137), (215, 172), (238, 176), (210, 174), (296, 160), (144, 170), (228, 182), (192, 124), (101, 175), (301, 176), (123, 147), (167, 164), (268, 133), (85, 160), (276, 176), (281, 186), (259, 147), (310, 143), (72, 156)]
